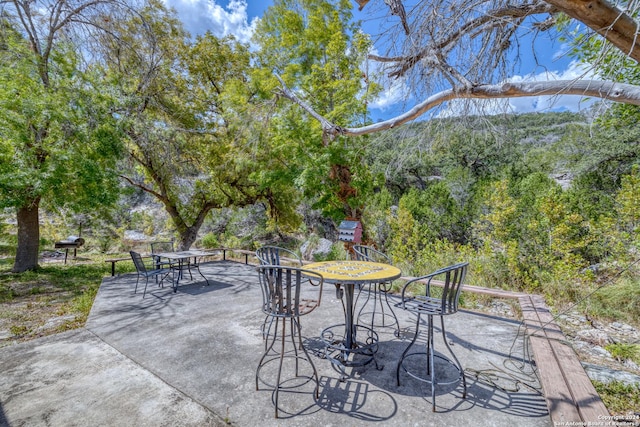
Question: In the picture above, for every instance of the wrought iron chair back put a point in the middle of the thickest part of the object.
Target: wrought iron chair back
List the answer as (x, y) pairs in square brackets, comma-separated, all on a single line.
[(445, 304), (284, 292), (159, 247), (367, 253), (272, 255), (141, 268), (143, 271)]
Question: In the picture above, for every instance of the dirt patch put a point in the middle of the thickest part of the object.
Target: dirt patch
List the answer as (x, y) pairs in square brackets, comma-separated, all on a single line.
[(35, 315)]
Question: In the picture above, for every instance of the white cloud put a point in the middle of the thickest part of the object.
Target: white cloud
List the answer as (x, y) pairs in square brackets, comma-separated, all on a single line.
[(393, 95), (395, 90), (200, 16)]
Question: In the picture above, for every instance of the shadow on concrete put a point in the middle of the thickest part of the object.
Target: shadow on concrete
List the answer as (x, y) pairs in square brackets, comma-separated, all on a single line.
[(356, 399), (199, 288), (3, 419)]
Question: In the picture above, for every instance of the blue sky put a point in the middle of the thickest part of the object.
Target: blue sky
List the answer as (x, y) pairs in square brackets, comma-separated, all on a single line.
[(239, 17)]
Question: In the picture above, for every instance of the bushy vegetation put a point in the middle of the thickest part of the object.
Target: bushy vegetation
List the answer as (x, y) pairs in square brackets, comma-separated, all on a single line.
[(541, 204)]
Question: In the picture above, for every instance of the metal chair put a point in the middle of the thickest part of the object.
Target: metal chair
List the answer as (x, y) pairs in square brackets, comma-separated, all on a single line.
[(286, 298), (423, 303), (167, 246), (158, 247), (272, 255), (143, 271), (378, 291)]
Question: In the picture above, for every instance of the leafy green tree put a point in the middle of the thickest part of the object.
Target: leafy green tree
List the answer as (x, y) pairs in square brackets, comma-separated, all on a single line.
[(314, 47), (407, 236), (188, 111), (599, 161), (58, 141), (628, 202)]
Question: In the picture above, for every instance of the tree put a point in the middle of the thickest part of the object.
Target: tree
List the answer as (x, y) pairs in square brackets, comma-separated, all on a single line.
[(59, 143), (458, 51), (628, 202), (188, 109), (316, 49)]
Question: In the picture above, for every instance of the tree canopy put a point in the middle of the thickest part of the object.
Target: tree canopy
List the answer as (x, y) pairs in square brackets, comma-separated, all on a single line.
[(316, 47), (188, 109), (59, 140)]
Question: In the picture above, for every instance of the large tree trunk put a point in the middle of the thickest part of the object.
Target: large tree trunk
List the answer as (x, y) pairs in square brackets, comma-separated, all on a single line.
[(28, 237), (187, 238)]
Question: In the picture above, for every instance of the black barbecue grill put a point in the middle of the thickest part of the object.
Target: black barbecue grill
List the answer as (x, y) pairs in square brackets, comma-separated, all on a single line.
[(71, 242)]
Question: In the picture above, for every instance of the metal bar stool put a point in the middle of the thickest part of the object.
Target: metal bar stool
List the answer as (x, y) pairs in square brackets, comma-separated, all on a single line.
[(377, 292), (272, 255), (423, 303), (286, 296)]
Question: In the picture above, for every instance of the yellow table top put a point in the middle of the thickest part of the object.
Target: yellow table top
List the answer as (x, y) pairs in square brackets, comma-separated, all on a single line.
[(354, 271)]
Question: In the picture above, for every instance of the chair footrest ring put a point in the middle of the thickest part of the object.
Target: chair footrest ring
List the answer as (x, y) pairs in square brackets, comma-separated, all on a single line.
[(427, 379)]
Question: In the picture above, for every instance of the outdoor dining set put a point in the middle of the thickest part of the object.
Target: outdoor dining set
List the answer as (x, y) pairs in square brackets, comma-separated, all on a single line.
[(292, 289), (290, 292), (165, 262)]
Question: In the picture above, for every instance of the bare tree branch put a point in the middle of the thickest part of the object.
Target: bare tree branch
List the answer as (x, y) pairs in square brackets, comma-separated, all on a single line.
[(492, 19), (618, 92), (616, 25), (142, 187), (397, 8), (328, 128)]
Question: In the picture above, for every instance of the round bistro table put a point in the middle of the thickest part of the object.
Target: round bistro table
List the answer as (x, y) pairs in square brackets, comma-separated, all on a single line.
[(343, 348)]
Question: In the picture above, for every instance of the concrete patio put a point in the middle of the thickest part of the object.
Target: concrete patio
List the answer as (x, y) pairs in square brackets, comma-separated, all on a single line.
[(189, 359)]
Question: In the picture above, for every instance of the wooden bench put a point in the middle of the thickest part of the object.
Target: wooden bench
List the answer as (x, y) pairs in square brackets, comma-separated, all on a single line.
[(568, 391), (248, 253), (113, 262), (245, 252), (570, 395)]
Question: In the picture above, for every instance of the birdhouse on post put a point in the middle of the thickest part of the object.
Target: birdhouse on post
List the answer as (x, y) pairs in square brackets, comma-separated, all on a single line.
[(350, 231)]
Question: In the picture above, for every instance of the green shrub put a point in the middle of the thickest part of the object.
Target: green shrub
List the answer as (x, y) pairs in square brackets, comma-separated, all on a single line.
[(210, 241), (618, 301), (337, 252)]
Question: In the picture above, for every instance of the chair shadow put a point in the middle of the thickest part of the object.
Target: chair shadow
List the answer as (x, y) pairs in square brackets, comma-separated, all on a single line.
[(356, 399), (497, 390), (3, 418), (503, 393)]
